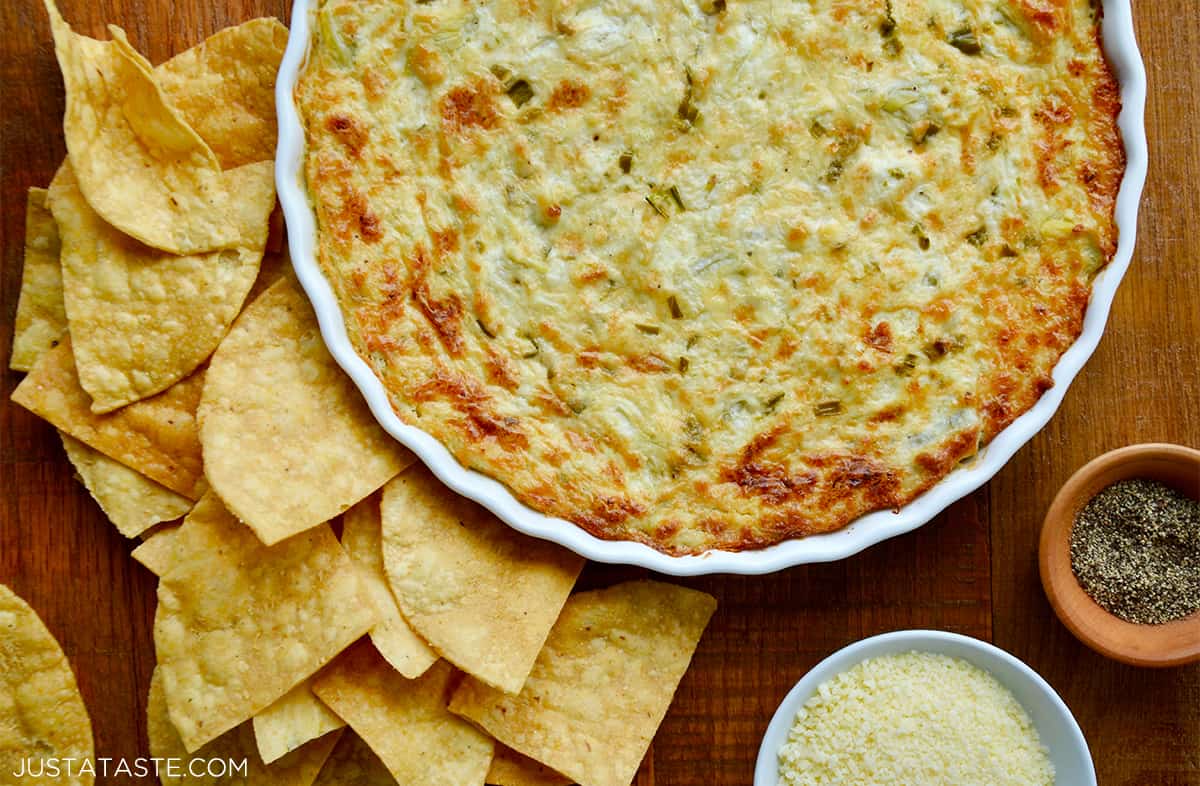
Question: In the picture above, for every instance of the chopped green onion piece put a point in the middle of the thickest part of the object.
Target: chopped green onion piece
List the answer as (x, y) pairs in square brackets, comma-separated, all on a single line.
[(674, 192), (906, 365), (834, 172), (941, 347), (888, 26), (673, 304), (965, 41), (683, 365), (520, 92), (922, 238), (827, 408), (688, 112), (656, 207), (650, 330), (625, 162)]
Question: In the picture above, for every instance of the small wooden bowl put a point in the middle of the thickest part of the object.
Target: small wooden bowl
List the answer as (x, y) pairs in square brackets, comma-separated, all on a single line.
[(1169, 644)]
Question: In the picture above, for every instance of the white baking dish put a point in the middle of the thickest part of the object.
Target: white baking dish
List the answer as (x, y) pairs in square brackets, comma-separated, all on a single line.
[(1121, 49)]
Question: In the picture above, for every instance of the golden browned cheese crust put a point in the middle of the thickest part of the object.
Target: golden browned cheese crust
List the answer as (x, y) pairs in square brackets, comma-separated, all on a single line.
[(712, 274)]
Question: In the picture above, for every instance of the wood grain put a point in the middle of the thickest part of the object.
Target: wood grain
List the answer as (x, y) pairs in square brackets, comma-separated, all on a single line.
[(972, 570)]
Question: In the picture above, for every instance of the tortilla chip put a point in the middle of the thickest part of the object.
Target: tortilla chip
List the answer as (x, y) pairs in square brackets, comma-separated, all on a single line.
[(132, 502), (42, 715), (296, 718), (157, 436), (274, 267), (225, 89), (353, 763), (279, 420), (405, 721), (157, 551), (41, 316), (240, 624), (139, 164), (299, 768), (510, 768), (140, 319), (400, 646), (482, 594), (601, 685)]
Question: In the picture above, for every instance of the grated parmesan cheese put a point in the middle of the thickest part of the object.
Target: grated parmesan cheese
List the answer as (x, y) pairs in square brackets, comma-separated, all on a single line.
[(914, 718)]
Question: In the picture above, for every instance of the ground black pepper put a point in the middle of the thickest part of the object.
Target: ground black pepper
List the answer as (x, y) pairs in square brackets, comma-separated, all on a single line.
[(1135, 548)]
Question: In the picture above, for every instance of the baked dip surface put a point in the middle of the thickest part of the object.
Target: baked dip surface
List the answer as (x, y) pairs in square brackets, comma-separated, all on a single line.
[(712, 274)]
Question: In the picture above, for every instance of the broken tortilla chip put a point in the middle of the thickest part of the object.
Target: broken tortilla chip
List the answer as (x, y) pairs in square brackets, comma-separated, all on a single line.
[(42, 715), (139, 164), (510, 768), (140, 319), (353, 763), (156, 436), (233, 753), (362, 538), (405, 721), (482, 594), (294, 719), (158, 549), (41, 316), (132, 502), (225, 89), (240, 624), (279, 419), (601, 685)]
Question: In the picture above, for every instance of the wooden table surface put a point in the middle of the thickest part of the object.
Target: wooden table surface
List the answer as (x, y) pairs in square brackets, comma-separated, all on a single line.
[(972, 570)]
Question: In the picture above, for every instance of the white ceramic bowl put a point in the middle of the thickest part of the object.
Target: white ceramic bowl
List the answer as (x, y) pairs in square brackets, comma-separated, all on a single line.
[(1121, 49), (1055, 724)]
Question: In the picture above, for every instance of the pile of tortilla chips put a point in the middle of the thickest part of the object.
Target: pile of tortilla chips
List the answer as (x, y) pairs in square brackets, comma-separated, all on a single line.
[(327, 610)]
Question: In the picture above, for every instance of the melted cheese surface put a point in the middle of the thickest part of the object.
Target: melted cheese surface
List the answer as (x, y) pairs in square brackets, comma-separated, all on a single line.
[(712, 273)]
